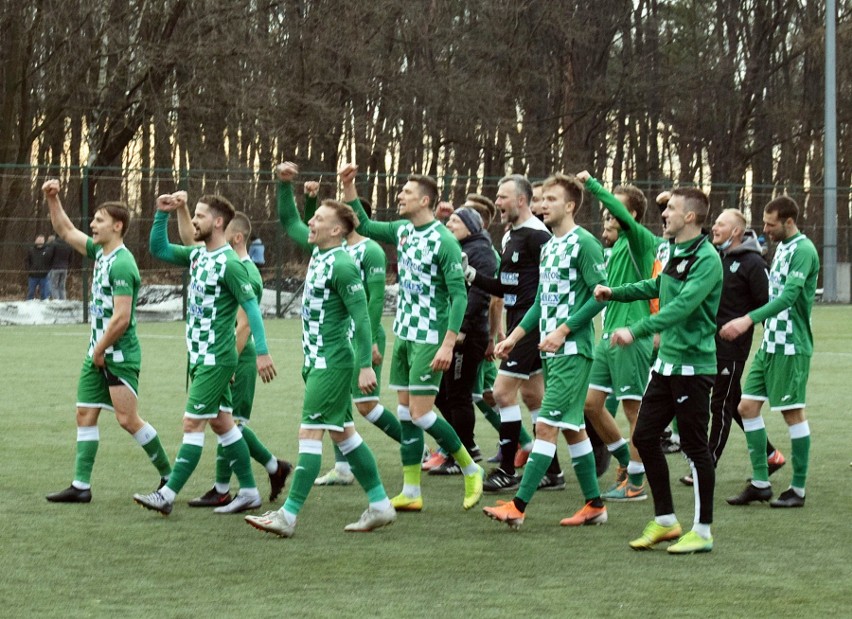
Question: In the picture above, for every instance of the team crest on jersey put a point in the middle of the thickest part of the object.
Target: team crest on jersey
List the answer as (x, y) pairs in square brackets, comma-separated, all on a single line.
[(681, 267), (734, 267), (516, 256)]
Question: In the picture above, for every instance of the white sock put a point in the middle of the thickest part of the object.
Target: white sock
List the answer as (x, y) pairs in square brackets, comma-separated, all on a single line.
[(380, 506), (702, 529), (666, 520), (272, 465)]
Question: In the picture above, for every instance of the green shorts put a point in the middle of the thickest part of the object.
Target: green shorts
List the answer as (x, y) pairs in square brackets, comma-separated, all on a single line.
[(486, 374), (410, 367), (328, 403), (566, 380), (209, 391), (242, 389), (781, 379), (622, 370), (94, 383)]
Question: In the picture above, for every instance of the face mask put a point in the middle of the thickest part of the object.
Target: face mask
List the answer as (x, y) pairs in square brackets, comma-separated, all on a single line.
[(724, 246)]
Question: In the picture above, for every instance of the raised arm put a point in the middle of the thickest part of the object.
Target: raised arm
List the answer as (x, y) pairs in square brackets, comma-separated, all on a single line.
[(311, 193), (287, 212), (60, 220), (184, 219), (378, 230), (158, 241)]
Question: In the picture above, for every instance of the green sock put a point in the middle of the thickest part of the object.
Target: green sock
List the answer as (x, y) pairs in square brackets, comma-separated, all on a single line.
[(240, 460), (411, 444), (446, 437), (338, 455), (533, 472), (307, 470), (366, 472), (525, 439), (223, 469), (85, 460), (187, 459), (622, 454), (157, 455), (801, 448), (257, 450), (584, 469), (636, 479), (491, 416), (674, 427), (389, 424), (756, 442)]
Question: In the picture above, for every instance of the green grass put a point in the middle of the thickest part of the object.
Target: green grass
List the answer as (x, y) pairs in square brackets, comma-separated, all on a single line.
[(111, 558)]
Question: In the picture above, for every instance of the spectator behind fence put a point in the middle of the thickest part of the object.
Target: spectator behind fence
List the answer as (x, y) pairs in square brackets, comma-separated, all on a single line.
[(38, 262), (256, 252), (58, 274)]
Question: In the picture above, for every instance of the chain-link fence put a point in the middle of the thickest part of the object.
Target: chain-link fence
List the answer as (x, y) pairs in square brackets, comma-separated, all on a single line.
[(24, 215)]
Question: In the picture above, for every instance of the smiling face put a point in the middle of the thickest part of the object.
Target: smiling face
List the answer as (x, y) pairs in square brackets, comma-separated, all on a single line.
[(725, 228), (675, 216), (457, 227), (325, 229)]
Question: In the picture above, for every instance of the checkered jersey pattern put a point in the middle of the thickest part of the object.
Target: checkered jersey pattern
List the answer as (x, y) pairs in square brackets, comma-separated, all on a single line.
[(421, 285), (326, 324), (779, 333), (559, 278), (210, 315), (113, 274)]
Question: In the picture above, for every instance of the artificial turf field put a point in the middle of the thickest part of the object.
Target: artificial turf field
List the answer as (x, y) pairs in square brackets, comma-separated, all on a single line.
[(112, 558)]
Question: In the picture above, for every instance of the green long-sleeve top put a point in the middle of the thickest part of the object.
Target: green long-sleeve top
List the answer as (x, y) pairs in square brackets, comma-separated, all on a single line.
[(218, 283), (792, 284), (432, 297), (631, 261), (689, 289), (332, 299)]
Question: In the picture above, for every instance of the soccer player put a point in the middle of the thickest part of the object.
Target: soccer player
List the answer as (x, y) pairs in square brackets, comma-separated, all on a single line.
[(622, 372), (745, 287), (219, 285), (371, 263), (109, 378), (516, 284), (429, 313), (245, 377), (332, 300), (689, 289), (572, 264), (779, 371)]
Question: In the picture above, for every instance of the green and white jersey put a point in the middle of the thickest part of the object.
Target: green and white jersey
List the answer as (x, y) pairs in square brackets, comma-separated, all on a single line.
[(432, 296), (218, 284), (331, 283), (115, 275), (571, 266), (256, 281), (424, 257), (792, 284)]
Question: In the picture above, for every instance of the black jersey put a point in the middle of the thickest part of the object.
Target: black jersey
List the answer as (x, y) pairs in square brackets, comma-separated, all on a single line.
[(517, 278)]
